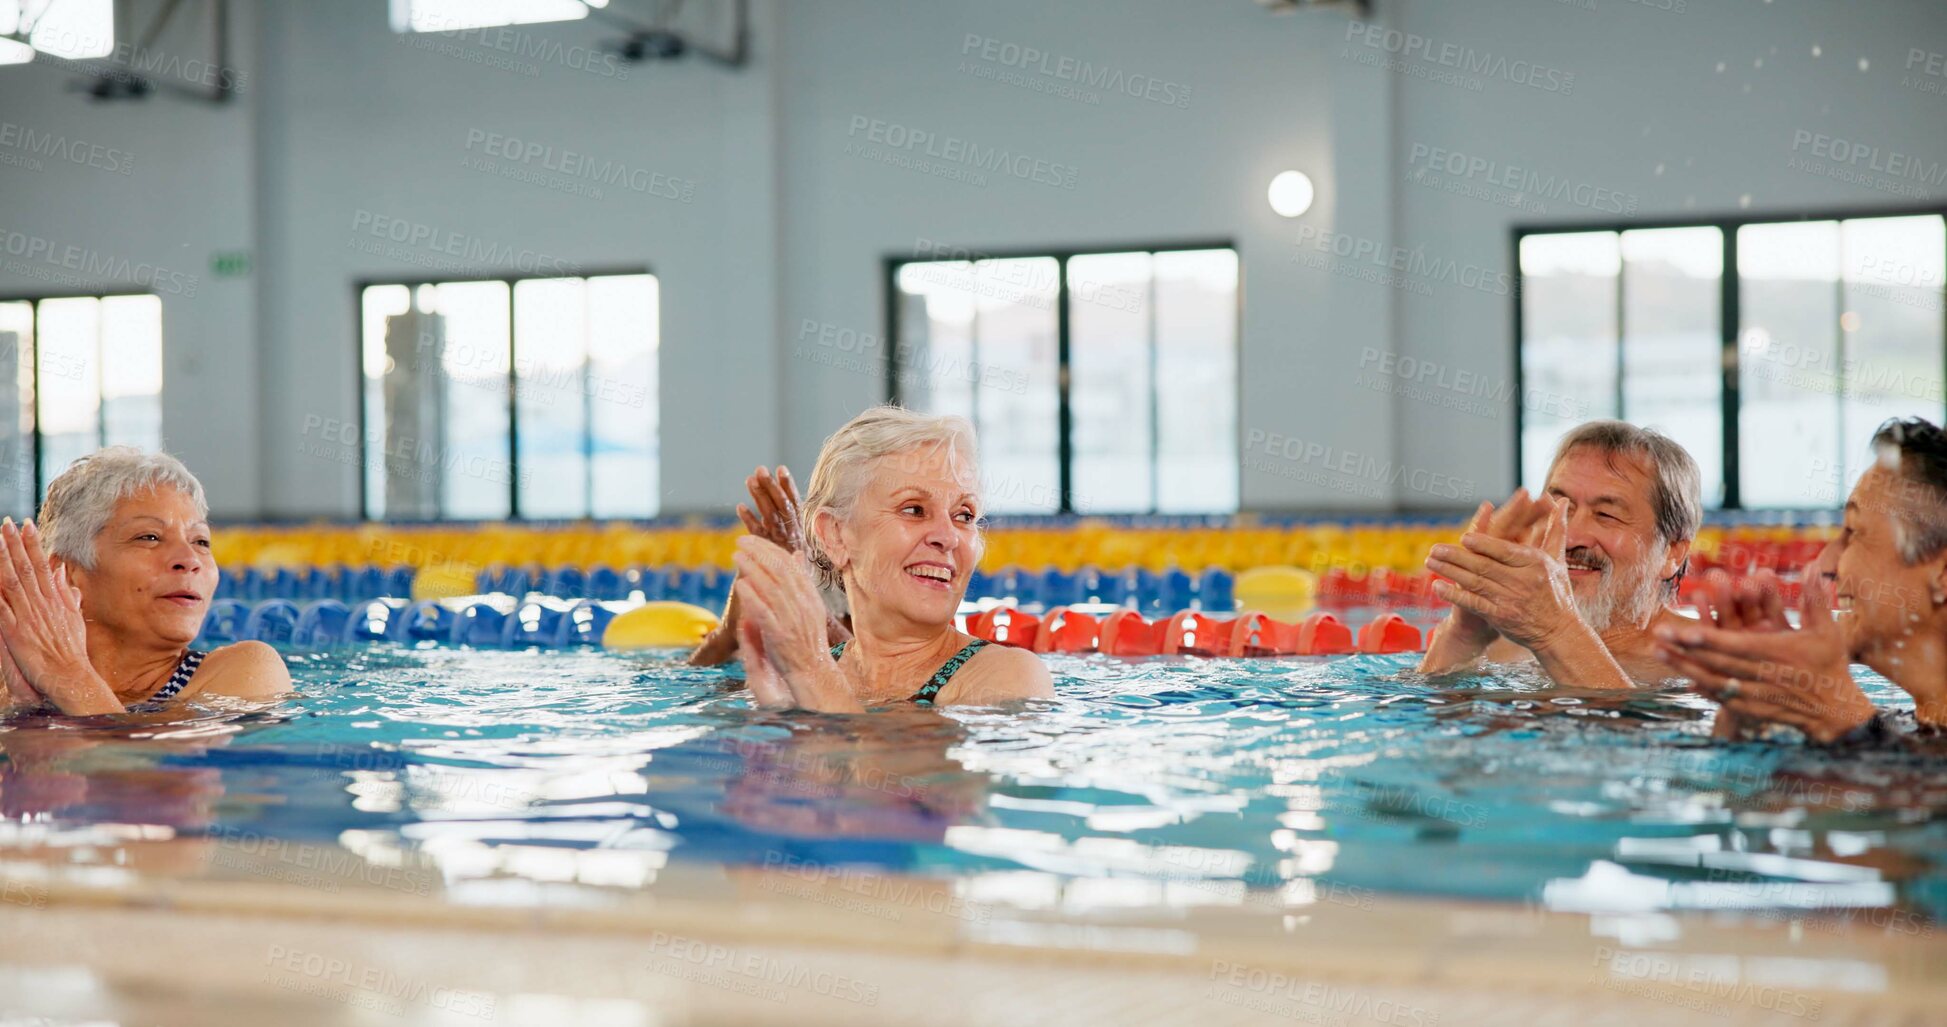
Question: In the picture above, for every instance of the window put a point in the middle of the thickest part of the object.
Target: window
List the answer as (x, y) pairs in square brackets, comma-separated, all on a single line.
[(457, 15), (504, 398), (76, 373), (74, 29), (1099, 382), (1769, 349)]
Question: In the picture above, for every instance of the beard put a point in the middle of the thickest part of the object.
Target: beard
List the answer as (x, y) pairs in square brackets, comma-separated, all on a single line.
[(1631, 596)]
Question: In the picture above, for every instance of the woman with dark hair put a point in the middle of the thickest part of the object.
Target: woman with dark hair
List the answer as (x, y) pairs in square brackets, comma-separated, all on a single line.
[(1886, 577)]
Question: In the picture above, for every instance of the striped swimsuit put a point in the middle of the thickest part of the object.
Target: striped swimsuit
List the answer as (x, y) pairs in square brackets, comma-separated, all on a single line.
[(185, 670)]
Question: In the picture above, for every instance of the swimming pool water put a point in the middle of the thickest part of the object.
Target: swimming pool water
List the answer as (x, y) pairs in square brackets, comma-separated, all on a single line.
[(1175, 781)]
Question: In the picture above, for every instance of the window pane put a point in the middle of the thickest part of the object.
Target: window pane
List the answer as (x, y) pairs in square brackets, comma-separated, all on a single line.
[(455, 15), (550, 360), (936, 312), (1788, 392), (75, 29), (624, 340), (1017, 403), (437, 433), (1892, 327), (17, 409), (1568, 338), (1673, 356), (1112, 359), (472, 462), (131, 371), (380, 303), (70, 382), (1196, 381), (979, 340)]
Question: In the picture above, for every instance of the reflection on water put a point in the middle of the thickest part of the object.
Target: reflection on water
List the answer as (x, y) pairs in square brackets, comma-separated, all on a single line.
[(1272, 783)]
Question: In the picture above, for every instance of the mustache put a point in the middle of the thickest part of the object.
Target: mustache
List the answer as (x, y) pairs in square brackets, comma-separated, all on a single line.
[(1586, 557)]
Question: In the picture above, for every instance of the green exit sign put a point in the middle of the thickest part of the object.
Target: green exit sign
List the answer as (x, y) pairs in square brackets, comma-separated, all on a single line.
[(231, 264)]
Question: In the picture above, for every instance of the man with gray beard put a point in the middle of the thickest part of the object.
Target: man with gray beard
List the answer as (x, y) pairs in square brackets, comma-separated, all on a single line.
[(1577, 579)]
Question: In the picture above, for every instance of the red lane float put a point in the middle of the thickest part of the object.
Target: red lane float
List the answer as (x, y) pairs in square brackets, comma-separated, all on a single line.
[(1005, 625), (1067, 631), (1191, 632), (1387, 634)]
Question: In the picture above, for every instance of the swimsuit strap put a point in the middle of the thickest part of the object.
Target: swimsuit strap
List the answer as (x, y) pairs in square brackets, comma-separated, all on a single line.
[(945, 674), (185, 669), (940, 677)]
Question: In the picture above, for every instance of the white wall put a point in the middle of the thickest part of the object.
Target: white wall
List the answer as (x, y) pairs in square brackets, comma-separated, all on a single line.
[(341, 116)]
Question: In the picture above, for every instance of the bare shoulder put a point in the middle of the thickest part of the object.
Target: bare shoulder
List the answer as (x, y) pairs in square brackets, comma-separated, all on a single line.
[(247, 670), (1000, 673)]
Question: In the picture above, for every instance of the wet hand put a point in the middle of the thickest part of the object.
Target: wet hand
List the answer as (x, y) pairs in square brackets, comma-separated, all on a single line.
[(1519, 588), (42, 628), (1760, 668), (774, 512), (781, 604)]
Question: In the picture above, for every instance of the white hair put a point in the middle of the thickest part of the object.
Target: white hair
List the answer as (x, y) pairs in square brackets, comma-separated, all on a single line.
[(81, 501), (847, 457)]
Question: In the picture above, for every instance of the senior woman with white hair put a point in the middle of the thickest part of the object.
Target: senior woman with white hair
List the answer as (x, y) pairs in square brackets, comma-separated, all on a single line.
[(99, 603), (892, 516)]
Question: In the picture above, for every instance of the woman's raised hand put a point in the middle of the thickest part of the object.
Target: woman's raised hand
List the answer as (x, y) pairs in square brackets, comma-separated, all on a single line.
[(787, 618), (774, 510), (42, 628)]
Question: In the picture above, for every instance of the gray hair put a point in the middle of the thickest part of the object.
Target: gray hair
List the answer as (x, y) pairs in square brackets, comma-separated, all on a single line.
[(848, 455), (82, 499), (1916, 451), (1676, 486)]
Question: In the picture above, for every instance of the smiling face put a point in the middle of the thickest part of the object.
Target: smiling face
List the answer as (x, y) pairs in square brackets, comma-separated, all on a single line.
[(154, 571), (912, 537), (1617, 560), (1880, 597)]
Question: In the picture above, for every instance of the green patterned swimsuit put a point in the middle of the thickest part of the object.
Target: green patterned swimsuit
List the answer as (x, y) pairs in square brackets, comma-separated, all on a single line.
[(940, 677)]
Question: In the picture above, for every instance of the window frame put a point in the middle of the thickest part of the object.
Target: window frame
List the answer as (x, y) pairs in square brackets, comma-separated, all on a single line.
[(1064, 413), (34, 301), (1730, 314), (513, 382)]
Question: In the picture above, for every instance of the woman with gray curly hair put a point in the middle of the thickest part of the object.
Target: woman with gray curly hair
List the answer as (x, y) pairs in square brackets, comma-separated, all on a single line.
[(892, 517), (100, 601)]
